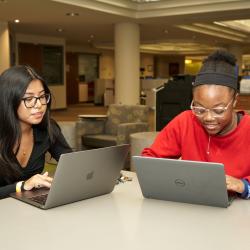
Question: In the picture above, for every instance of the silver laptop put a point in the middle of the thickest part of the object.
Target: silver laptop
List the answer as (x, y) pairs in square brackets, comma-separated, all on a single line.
[(183, 181), (80, 175)]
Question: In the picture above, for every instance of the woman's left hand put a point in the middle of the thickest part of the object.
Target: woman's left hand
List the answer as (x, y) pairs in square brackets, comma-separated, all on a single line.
[(234, 184)]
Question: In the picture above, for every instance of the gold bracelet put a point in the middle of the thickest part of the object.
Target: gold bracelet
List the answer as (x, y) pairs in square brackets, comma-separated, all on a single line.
[(18, 186)]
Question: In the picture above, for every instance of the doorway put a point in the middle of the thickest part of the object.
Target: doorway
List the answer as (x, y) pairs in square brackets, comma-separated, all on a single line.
[(82, 70)]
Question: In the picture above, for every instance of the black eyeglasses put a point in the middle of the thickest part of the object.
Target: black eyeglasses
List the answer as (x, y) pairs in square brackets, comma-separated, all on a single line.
[(31, 101)]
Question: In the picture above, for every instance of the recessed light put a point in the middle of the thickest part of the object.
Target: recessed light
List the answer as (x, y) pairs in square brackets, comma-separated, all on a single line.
[(72, 14), (60, 30), (17, 21)]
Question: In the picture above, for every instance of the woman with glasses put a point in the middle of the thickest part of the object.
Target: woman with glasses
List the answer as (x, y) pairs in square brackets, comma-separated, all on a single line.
[(26, 131), (212, 131)]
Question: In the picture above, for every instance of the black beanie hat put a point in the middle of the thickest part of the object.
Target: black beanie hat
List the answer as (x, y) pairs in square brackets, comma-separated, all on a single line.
[(219, 68)]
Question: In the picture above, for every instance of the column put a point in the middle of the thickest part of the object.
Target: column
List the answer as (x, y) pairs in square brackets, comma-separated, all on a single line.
[(4, 47), (127, 63)]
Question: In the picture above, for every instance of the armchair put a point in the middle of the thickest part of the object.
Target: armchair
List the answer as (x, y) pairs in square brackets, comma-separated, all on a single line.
[(121, 121)]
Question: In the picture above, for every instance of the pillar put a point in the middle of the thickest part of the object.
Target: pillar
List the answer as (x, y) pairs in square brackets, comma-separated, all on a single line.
[(4, 47), (127, 63)]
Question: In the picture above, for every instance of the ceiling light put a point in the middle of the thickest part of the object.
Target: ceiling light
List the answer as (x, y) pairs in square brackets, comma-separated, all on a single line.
[(210, 32), (220, 23), (220, 29), (188, 61), (240, 25), (72, 14), (178, 47), (60, 30), (17, 21)]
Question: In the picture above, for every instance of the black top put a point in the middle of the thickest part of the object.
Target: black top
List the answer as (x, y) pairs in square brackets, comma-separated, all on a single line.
[(36, 161)]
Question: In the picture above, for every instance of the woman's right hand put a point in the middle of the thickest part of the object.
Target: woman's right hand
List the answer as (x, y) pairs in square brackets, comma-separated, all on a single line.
[(38, 181)]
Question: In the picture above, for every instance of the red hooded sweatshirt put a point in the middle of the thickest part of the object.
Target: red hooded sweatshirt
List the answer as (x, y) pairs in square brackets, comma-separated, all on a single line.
[(185, 137)]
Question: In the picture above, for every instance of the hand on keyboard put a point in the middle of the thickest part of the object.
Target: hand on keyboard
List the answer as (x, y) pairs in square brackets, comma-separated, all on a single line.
[(38, 181)]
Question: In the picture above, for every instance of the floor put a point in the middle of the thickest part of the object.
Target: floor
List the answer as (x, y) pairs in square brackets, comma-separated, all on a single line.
[(72, 111)]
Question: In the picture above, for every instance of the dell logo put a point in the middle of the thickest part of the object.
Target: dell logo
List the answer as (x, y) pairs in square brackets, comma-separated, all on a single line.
[(180, 183), (90, 175)]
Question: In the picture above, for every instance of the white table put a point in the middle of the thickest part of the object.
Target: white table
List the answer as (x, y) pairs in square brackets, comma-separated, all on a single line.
[(124, 220)]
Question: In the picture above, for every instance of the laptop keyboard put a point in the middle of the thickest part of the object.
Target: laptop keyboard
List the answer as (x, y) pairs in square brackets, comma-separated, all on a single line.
[(41, 199)]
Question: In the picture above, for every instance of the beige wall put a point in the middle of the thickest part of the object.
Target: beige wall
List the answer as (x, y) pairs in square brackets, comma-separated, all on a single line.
[(147, 62), (162, 64), (106, 65), (82, 49), (4, 47), (58, 91)]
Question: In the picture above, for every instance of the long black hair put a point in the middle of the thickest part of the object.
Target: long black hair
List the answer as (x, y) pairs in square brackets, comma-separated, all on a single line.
[(13, 85)]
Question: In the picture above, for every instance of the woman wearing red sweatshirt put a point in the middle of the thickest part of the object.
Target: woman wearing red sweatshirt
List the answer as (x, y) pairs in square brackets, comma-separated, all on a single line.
[(212, 130)]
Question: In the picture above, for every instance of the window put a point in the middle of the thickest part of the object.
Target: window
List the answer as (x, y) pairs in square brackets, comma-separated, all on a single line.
[(47, 60)]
